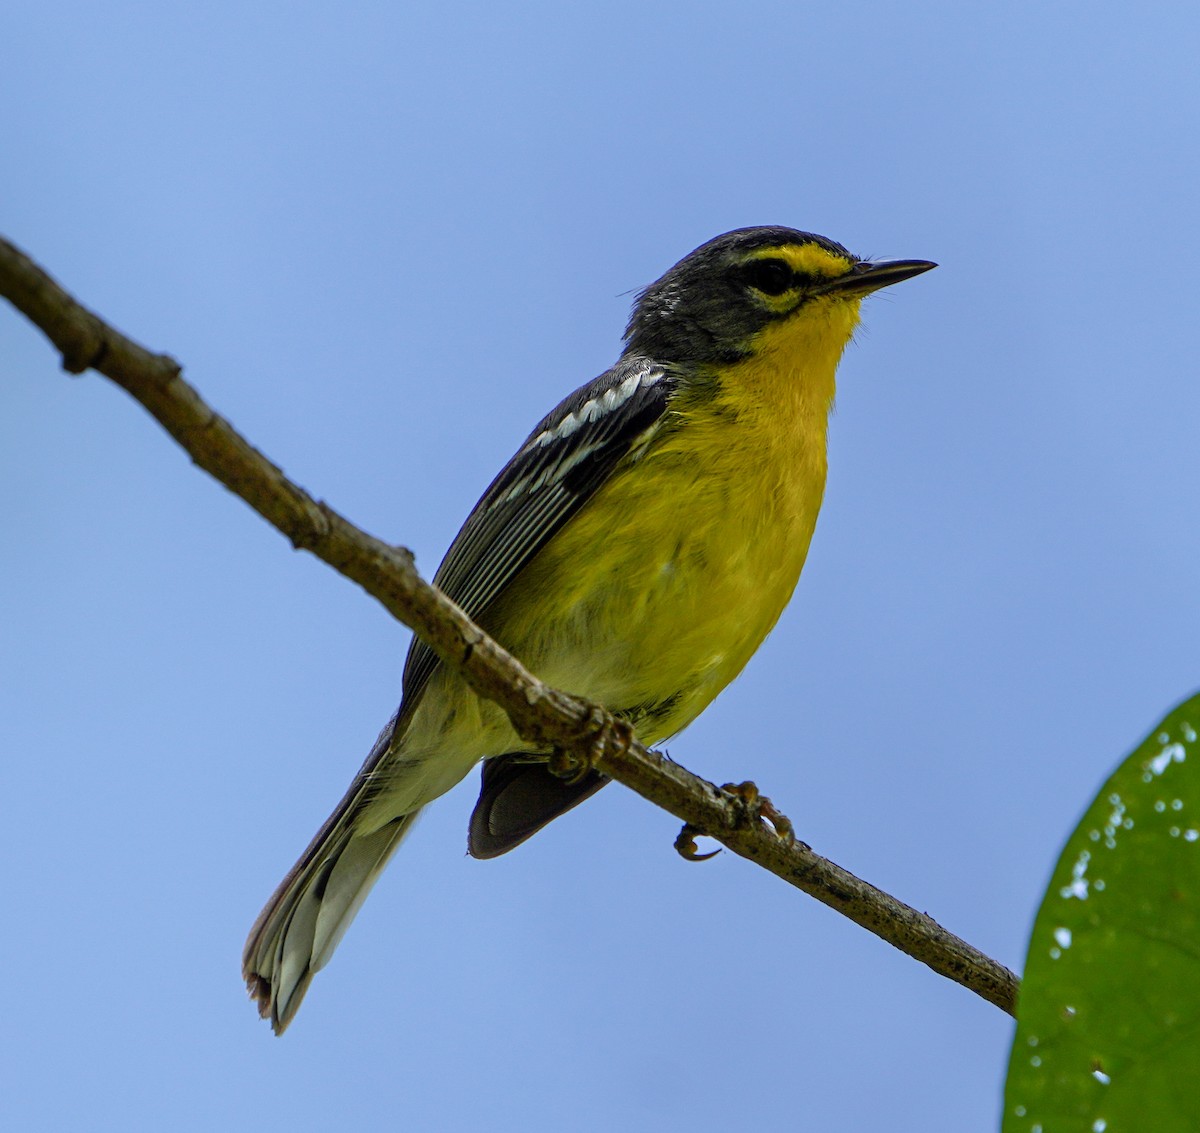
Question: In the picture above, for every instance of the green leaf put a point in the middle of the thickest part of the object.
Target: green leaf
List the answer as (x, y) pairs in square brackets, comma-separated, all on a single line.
[(1108, 1033)]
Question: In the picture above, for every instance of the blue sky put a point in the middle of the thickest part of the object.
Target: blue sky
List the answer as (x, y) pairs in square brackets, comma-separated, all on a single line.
[(383, 241)]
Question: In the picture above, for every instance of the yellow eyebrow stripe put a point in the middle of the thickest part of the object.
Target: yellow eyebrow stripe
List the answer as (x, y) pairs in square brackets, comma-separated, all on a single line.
[(808, 259)]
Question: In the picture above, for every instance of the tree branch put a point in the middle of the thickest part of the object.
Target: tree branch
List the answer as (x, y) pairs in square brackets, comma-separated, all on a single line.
[(583, 732)]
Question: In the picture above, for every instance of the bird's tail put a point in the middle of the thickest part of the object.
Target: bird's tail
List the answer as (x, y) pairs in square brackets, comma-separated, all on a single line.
[(308, 914)]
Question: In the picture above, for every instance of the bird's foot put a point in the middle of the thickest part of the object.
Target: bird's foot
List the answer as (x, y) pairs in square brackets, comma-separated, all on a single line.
[(751, 806), (601, 732), (756, 806)]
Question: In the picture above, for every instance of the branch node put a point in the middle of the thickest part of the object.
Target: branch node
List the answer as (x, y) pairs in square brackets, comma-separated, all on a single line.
[(172, 368), (85, 351), (317, 526)]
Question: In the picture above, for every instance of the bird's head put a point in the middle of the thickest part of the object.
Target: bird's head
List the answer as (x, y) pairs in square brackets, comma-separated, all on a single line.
[(712, 306)]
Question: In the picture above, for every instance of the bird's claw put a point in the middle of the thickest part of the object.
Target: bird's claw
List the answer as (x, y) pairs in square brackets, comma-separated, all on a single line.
[(567, 765), (685, 845)]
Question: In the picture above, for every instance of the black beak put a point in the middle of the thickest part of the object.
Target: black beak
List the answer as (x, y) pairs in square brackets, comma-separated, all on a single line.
[(870, 275)]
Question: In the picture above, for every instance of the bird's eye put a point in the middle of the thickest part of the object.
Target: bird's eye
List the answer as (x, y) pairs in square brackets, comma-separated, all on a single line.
[(771, 277)]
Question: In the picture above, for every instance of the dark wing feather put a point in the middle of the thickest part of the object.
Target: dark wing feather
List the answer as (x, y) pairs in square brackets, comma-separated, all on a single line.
[(570, 453), (517, 798)]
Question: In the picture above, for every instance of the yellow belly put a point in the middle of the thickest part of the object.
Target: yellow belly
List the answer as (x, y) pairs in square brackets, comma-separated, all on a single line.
[(682, 606)]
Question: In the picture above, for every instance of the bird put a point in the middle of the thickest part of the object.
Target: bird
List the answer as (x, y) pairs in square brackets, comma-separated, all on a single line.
[(636, 551)]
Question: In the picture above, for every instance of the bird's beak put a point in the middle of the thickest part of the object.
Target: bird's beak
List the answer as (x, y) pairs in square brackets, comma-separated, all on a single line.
[(870, 275)]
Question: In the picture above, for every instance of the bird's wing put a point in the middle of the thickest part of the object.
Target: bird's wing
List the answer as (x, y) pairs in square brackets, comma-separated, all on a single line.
[(566, 458)]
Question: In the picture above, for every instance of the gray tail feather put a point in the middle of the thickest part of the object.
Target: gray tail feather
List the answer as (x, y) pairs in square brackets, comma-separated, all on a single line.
[(306, 917)]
